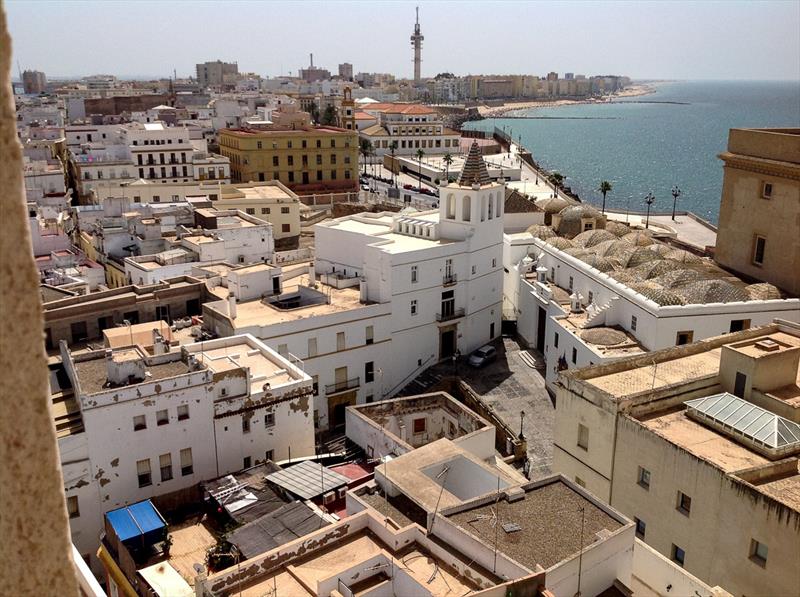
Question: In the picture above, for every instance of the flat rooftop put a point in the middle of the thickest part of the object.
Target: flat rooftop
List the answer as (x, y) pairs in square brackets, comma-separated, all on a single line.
[(612, 341), (260, 313), (262, 368), (92, 374), (784, 487), (365, 547), (549, 520), (258, 191)]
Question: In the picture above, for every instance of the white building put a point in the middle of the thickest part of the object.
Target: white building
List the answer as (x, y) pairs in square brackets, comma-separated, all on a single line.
[(599, 297), (228, 235), (135, 423), (411, 126), (389, 295)]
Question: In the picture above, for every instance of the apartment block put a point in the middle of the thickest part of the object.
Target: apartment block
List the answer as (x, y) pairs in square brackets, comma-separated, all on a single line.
[(699, 445)]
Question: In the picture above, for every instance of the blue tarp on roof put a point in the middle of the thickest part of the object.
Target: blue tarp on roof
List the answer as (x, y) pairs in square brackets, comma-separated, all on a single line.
[(135, 520)]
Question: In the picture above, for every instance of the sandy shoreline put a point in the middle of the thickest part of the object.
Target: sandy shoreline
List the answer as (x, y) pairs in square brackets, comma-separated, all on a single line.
[(495, 111)]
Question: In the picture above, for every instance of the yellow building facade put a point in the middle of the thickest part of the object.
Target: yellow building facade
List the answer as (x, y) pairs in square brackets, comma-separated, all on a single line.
[(307, 160), (759, 218)]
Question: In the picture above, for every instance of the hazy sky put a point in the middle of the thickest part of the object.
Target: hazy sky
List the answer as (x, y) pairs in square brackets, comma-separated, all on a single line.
[(682, 40)]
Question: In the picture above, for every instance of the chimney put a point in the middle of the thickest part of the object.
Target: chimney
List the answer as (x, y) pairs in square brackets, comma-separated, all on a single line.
[(312, 275), (311, 57), (232, 305), (575, 302), (362, 286), (541, 274)]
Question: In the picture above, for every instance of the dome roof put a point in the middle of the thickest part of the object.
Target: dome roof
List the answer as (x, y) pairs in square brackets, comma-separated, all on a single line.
[(603, 264), (653, 269), (678, 277), (613, 248), (591, 238), (552, 205), (763, 292), (641, 255), (712, 291), (579, 211), (541, 231), (559, 242), (660, 248), (603, 336), (578, 252), (618, 228), (683, 256), (638, 238), (657, 294), (572, 218)]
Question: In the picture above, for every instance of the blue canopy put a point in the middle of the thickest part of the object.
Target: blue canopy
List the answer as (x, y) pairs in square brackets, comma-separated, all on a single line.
[(135, 520)]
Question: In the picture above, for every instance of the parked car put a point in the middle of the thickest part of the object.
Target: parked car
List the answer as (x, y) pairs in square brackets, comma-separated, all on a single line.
[(408, 187), (364, 186), (483, 356)]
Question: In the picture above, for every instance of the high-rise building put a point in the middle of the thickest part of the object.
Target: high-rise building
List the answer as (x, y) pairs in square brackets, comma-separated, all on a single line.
[(314, 73), (416, 43), (760, 207), (346, 71), (214, 74), (34, 81)]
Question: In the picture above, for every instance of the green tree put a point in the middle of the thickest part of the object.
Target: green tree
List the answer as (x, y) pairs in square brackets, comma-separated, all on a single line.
[(365, 149), (556, 180), (605, 187), (420, 154), (329, 116), (447, 160)]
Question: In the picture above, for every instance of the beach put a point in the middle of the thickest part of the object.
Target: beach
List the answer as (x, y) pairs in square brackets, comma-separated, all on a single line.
[(632, 91)]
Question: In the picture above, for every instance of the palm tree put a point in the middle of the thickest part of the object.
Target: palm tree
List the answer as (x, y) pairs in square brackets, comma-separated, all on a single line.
[(556, 179), (447, 160), (420, 154), (392, 149), (605, 187), (366, 150)]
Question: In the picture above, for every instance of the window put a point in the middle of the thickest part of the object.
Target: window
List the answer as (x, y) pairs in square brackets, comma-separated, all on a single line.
[(304, 144), (413, 307), (183, 412), (333, 174), (370, 333), (633, 323), (570, 282), (265, 210), (288, 145), (641, 527), (369, 371), (312, 347), (494, 262), (590, 300), (259, 145), (186, 462), (245, 424), (413, 274), (574, 355), (274, 161), (315, 385), (165, 463), (759, 244), (474, 269), (72, 507), (758, 551), (247, 462), (766, 190), (684, 503), (269, 419), (290, 161), (251, 211), (737, 325), (340, 342), (580, 482), (583, 436), (555, 340), (139, 423), (684, 338), (286, 227), (283, 349), (333, 159), (269, 455), (677, 554), (162, 417), (143, 472), (643, 478), (420, 425), (284, 210)]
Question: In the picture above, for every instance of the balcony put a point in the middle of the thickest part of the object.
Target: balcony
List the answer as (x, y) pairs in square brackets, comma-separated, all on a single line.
[(342, 386), (449, 280), (454, 314)]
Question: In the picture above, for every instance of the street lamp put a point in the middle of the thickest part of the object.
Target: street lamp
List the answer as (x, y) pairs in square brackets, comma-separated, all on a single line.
[(676, 192), (521, 421), (650, 199)]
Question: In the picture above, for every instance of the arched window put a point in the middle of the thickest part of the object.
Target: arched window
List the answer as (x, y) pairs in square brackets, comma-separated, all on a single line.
[(483, 208), (499, 206), (451, 207), (491, 205), (466, 208)]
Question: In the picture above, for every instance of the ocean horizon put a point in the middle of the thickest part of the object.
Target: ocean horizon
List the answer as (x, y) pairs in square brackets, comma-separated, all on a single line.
[(650, 143)]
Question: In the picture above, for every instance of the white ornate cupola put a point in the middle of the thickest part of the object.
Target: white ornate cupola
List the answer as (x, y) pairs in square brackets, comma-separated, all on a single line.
[(473, 203)]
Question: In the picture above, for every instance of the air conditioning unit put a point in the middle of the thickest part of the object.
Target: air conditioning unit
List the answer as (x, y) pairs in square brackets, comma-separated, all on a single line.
[(342, 491), (329, 497)]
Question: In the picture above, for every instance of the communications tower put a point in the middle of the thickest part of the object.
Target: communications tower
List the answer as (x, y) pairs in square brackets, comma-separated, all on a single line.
[(416, 43)]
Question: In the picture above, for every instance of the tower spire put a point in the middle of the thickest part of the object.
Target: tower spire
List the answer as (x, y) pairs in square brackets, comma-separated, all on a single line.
[(416, 43)]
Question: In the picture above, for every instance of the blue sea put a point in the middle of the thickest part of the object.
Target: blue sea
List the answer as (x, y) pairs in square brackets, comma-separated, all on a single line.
[(643, 147)]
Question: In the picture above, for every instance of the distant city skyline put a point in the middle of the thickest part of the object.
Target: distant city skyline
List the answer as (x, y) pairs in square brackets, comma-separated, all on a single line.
[(676, 40)]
